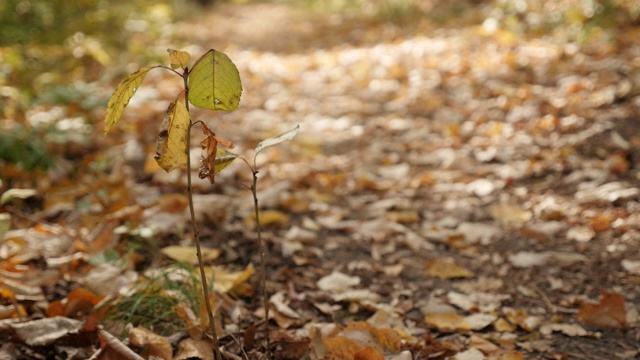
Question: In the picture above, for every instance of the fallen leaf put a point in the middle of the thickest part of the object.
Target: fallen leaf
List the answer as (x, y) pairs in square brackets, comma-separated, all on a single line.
[(609, 192), (225, 282), (600, 223), (187, 254), (12, 194), (477, 301), (510, 213), (632, 266), (502, 325), (79, 302), (43, 332), (446, 321), (153, 344), (526, 259), (268, 217), (512, 355), (337, 282), (194, 349), (471, 354), (445, 269), (368, 353), (112, 348), (608, 313), (567, 329), (482, 233)]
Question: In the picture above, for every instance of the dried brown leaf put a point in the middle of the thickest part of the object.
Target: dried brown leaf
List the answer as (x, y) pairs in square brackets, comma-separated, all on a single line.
[(153, 344), (209, 151), (608, 313)]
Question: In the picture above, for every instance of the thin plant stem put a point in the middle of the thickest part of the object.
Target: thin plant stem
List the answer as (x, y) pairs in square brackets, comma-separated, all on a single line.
[(263, 277), (196, 231)]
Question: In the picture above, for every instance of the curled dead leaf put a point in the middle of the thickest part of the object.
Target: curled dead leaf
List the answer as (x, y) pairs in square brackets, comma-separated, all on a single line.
[(210, 153)]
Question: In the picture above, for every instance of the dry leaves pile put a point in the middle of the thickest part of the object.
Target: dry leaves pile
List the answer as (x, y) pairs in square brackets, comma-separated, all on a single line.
[(453, 193)]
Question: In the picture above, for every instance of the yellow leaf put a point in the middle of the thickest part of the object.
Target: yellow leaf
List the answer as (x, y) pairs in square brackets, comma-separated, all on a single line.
[(224, 158), (502, 325), (121, 96), (268, 217), (510, 213), (171, 146), (446, 321), (224, 282), (187, 254), (214, 82), (512, 355), (445, 269), (179, 59)]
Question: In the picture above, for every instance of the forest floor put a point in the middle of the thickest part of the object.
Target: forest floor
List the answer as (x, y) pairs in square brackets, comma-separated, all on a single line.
[(454, 192)]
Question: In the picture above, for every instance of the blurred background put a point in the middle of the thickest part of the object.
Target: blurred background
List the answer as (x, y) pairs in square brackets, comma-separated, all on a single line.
[(65, 56)]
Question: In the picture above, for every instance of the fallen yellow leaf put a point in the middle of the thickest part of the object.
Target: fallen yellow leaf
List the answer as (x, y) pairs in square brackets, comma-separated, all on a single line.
[(447, 321), (445, 269), (187, 254), (268, 217)]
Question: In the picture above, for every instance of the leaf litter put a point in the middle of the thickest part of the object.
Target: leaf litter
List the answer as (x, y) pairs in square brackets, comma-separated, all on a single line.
[(453, 194)]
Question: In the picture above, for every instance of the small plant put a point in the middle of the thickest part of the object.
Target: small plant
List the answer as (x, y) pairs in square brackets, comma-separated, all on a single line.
[(212, 83), (153, 302)]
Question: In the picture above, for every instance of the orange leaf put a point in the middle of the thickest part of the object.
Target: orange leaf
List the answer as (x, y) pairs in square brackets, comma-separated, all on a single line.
[(55, 309), (608, 313), (340, 347), (80, 301), (600, 223), (369, 353)]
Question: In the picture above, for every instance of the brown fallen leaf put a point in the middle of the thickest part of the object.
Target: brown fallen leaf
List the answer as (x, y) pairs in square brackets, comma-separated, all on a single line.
[(608, 313), (194, 349), (154, 344), (111, 348)]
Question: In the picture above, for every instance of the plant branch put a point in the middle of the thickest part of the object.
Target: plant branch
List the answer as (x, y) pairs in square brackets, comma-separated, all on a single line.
[(263, 277), (196, 232)]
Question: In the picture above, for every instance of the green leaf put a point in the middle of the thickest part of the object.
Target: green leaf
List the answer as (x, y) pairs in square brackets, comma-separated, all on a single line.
[(224, 158), (121, 96), (179, 59), (214, 82), (278, 139), (171, 146)]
